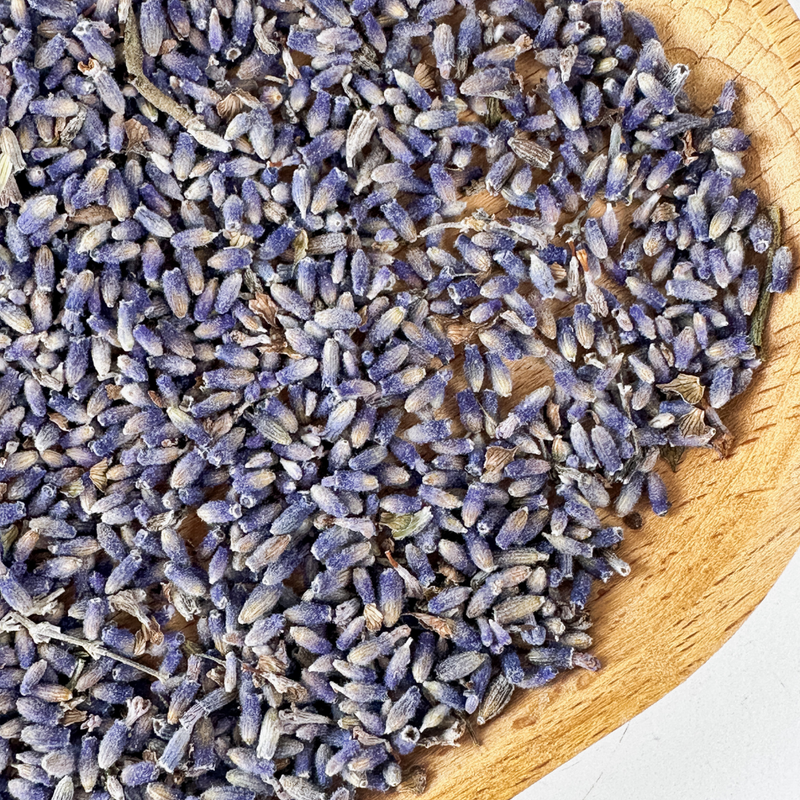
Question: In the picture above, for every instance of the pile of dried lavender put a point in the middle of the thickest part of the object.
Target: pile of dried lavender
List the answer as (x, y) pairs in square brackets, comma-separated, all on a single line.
[(238, 276)]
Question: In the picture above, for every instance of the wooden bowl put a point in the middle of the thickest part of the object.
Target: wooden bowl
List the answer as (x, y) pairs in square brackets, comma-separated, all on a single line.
[(734, 523)]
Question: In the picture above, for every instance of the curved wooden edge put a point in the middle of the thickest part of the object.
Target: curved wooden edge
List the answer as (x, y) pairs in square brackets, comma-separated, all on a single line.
[(783, 26), (734, 525)]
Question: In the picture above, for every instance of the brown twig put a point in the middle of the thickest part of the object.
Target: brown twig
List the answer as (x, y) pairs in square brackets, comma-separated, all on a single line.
[(765, 297), (134, 57)]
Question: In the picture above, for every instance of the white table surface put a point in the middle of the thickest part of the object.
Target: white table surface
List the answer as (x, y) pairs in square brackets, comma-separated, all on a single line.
[(730, 732)]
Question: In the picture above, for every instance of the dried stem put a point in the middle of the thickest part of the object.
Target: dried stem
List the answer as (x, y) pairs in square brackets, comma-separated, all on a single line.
[(765, 297), (134, 56), (44, 631), (214, 659)]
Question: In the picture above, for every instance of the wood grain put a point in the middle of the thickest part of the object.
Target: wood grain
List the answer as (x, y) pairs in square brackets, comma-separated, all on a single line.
[(734, 524)]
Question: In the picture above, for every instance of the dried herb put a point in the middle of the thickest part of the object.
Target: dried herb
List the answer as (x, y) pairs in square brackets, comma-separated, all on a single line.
[(761, 313), (273, 513)]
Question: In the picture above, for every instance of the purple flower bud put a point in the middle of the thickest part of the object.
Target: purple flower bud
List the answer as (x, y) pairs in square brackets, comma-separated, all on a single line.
[(781, 270)]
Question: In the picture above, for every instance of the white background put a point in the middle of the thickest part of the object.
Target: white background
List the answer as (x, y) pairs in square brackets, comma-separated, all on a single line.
[(730, 732)]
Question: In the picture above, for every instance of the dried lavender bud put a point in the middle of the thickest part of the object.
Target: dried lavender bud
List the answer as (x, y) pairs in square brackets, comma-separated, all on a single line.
[(781, 270), (142, 387)]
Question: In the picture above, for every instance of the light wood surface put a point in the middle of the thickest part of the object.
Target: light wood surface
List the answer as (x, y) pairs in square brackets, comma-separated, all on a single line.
[(734, 524)]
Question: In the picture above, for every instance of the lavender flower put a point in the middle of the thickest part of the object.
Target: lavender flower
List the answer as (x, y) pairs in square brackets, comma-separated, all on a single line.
[(245, 308)]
